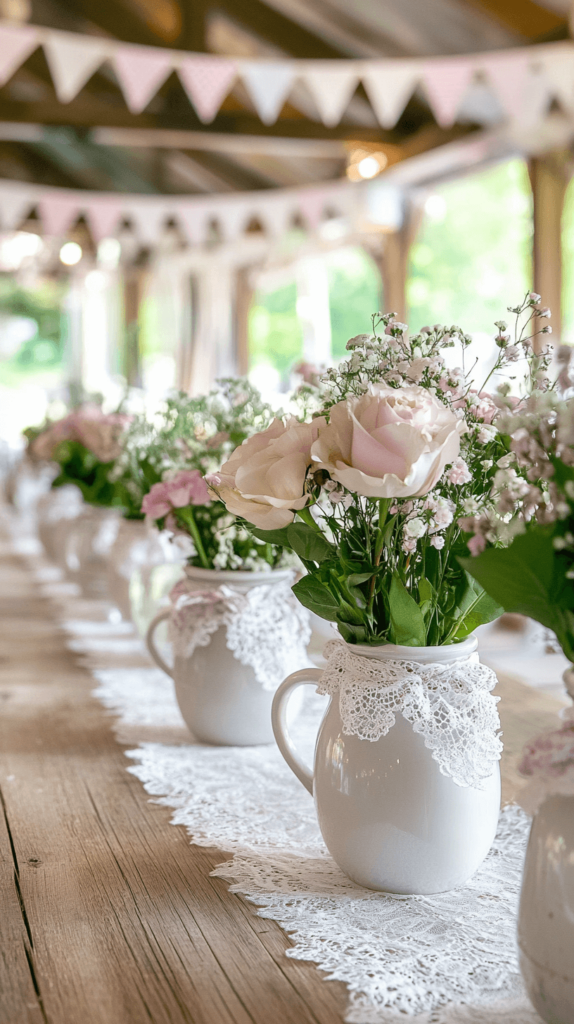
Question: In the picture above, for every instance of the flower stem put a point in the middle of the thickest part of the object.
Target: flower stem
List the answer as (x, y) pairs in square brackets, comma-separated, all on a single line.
[(189, 520)]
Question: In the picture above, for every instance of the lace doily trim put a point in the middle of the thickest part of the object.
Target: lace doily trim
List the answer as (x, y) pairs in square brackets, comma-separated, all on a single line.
[(267, 629), (450, 705)]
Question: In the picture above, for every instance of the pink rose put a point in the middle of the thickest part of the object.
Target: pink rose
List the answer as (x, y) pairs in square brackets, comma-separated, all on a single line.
[(264, 479), (390, 442), (100, 432), (187, 488), (156, 504)]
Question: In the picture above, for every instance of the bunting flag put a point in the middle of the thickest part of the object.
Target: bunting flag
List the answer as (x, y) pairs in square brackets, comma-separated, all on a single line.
[(268, 84), (59, 212), (72, 60), (17, 42), (389, 87), (559, 73), (446, 82), (275, 209), (507, 73), (103, 215), (521, 78), (17, 204), (207, 81), (331, 83), (194, 219), (141, 70), (148, 217), (311, 203)]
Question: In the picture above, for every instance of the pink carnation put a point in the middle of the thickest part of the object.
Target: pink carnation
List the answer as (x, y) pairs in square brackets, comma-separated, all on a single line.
[(188, 487), (156, 504)]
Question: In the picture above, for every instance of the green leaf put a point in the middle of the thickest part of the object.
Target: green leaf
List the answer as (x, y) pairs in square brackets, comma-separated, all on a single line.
[(308, 543), (356, 578), (314, 596), (351, 633), (407, 622), (278, 537), (520, 577)]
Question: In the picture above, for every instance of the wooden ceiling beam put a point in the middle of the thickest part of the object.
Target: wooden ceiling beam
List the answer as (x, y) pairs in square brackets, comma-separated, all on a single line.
[(289, 35), (209, 142)]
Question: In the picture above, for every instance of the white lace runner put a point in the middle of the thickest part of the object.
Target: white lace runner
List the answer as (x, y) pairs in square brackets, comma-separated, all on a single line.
[(445, 959), (267, 629), (450, 705)]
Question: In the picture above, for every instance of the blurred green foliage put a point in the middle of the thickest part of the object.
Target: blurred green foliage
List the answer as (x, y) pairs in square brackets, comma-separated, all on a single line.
[(472, 256), (44, 351), (275, 333)]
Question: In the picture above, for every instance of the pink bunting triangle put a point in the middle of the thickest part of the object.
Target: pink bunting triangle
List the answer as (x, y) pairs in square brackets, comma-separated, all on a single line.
[(311, 204), (16, 44), (103, 215), (508, 73), (446, 82), (58, 212), (141, 70), (207, 81)]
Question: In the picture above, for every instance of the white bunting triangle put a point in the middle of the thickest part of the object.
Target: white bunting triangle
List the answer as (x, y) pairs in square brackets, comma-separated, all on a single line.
[(268, 84), (16, 201), (331, 84), (389, 86), (559, 73), (149, 217), (72, 60)]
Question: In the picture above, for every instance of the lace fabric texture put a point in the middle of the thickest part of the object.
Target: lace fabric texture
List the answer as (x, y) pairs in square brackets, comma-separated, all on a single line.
[(444, 959), (450, 705), (267, 629)]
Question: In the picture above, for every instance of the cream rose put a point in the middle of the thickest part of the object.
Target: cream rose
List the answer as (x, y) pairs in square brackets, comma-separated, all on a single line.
[(263, 480), (390, 442)]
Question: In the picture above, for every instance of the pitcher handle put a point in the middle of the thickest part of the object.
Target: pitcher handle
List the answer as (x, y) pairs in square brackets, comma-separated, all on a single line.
[(160, 617), (303, 677)]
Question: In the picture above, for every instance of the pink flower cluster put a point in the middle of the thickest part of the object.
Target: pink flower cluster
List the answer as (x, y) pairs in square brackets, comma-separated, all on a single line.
[(187, 487), (551, 754), (99, 432)]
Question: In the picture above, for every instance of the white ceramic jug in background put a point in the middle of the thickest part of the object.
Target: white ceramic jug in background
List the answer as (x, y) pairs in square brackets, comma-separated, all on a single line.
[(220, 699), (55, 512), (137, 546), (90, 537), (546, 915), (390, 819)]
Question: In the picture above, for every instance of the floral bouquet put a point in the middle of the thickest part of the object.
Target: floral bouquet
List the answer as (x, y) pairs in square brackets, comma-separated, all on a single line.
[(374, 493), (85, 444), (523, 540), (164, 465)]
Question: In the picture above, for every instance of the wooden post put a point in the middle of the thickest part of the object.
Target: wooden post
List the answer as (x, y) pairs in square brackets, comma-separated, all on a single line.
[(393, 261), (549, 177), (243, 300), (134, 286)]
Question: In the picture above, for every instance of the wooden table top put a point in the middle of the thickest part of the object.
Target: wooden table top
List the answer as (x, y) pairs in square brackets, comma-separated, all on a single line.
[(108, 914)]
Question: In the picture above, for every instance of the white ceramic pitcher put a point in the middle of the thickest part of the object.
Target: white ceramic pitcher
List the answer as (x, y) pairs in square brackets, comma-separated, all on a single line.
[(546, 916), (390, 819), (220, 699)]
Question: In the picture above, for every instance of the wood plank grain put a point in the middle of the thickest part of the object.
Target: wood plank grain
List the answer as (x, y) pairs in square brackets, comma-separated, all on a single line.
[(126, 923), (20, 1003)]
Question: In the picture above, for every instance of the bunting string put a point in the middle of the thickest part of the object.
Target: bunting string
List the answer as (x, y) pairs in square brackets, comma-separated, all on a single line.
[(517, 78)]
